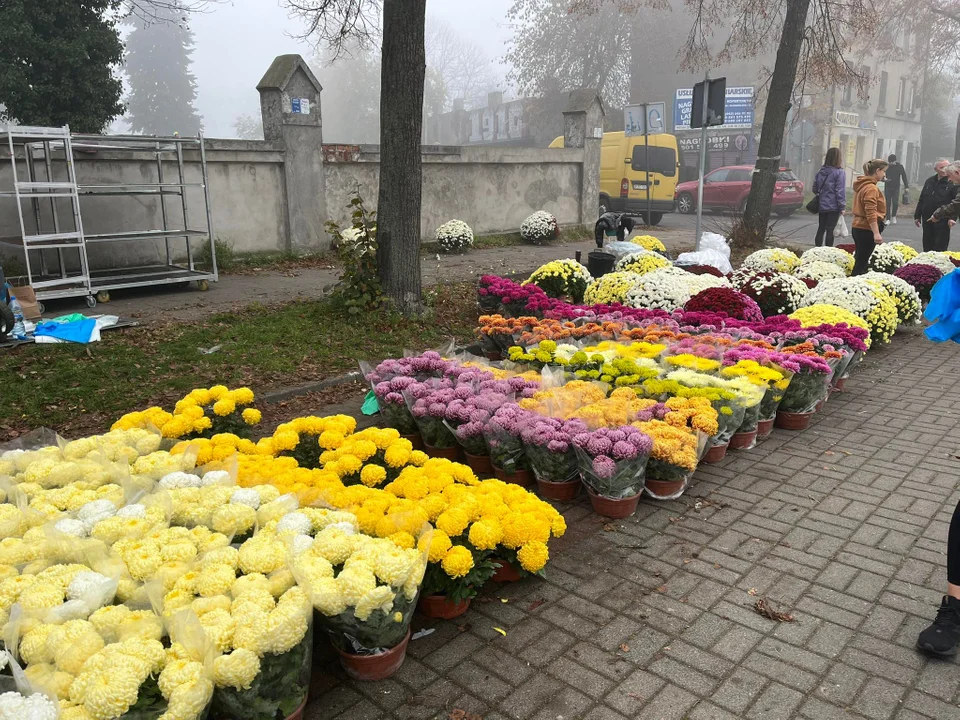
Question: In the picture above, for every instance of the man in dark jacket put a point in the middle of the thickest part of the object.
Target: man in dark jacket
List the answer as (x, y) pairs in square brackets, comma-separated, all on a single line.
[(937, 192), (891, 188)]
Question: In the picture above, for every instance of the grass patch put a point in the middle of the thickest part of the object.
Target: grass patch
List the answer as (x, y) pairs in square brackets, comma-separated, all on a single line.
[(231, 262), (78, 389)]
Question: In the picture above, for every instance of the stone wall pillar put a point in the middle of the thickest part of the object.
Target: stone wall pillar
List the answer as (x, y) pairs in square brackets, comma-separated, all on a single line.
[(583, 128), (290, 108)]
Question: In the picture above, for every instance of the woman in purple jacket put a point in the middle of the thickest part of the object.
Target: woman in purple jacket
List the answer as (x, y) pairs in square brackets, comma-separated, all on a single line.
[(831, 187)]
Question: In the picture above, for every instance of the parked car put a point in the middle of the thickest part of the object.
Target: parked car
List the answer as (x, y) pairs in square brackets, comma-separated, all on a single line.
[(727, 188)]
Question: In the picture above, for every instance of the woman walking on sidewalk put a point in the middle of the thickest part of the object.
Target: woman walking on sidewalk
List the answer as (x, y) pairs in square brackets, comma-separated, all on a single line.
[(830, 186), (869, 211)]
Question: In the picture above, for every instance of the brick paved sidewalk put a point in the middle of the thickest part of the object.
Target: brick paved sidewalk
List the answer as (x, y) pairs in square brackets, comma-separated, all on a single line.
[(843, 525)]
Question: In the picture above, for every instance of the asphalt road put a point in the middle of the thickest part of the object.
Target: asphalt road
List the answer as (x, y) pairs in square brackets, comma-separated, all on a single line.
[(801, 227)]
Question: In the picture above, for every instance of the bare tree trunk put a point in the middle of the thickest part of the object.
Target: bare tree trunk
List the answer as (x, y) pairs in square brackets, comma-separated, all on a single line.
[(752, 229), (402, 70)]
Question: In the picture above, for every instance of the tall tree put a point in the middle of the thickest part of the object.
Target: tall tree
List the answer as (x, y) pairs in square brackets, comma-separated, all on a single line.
[(162, 88), (563, 45), (57, 63), (336, 23), (460, 68)]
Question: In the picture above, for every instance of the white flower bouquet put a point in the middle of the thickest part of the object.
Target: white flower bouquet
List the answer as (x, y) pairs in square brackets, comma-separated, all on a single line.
[(772, 260), (454, 236), (539, 228), (833, 255)]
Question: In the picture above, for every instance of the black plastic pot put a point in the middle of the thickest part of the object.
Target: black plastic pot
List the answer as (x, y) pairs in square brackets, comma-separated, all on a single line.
[(599, 263)]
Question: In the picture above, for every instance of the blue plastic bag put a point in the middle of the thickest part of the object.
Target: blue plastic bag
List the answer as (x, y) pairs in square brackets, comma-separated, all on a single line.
[(944, 309)]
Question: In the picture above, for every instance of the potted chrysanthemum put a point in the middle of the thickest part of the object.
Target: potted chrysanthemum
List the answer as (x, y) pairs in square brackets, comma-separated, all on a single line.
[(454, 236), (612, 462), (539, 228)]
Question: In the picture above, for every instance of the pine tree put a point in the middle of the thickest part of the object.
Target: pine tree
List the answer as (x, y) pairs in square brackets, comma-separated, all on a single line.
[(162, 88)]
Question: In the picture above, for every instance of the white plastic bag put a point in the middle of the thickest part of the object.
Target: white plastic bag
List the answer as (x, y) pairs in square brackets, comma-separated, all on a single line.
[(842, 230), (714, 251)]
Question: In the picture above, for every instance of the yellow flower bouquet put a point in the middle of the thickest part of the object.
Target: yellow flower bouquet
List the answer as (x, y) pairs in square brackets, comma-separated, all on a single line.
[(203, 412)]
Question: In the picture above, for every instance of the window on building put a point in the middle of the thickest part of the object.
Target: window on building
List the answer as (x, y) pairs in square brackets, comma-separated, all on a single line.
[(879, 152), (882, 100), (899, 150), (911, 100), (867, 77), (848, 93), (901, 94)]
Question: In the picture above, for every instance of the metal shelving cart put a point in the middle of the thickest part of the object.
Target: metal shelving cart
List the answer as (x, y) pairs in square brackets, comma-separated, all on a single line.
[(55, 150)]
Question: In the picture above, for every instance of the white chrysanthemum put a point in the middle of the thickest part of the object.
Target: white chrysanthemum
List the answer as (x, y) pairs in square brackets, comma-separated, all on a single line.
[(885, 259), (246, 496), (179, 479), (905, 296), (69, 526), (454, 235), (819, 270), (295, 522), (4, 659), (662, 289), (301, 543), (14, 706), (939, 260), (92, 588), (344, 527), (771, 260), (832, 255), (539, 227), (215, 477), (137, 510), (97, 510)]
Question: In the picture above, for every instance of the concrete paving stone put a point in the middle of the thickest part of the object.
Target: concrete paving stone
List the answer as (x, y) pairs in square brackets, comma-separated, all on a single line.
[(583, 679), (879, 699), (437, 698), (939, 679), (548, 647), (602, 712), (816, 709), (738, 691), (480, 680), (683, 676), (781, 672), (841, 684), (706, 630), (929, 706), (777, 702), (635, 691), (795, 656), (545, 698), (708, 711)]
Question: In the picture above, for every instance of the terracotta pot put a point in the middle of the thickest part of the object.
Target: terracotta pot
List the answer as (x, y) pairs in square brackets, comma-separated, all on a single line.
[(743, 440), (716, 453), (298, 713), (839, 385), (437, 606), (415, 440), (480, 464), (792, 421), (494, 356), (524, 478), (615, 509), (452, 453), (819, 406), (663, 488), (374, 667), (764, 428), (506, 572), (563, 491)]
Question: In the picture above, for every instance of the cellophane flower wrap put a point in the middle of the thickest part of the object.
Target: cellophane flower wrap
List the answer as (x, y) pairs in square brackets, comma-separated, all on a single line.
[(726, 302), (428, 404), (680, 429), (921, 277), (562, 279), (729, 398), (468, 416), (454, 236), (539, 228), (756, 366), (503, 432), (833, 255), (550, 450), (612, 460), (809, 384), (363, 588), (391, 378)]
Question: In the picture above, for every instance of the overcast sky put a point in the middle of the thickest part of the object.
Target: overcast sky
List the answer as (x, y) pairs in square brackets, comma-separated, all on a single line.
[(238, 39)]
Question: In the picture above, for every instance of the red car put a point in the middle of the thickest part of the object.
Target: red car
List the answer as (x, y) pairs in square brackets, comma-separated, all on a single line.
[(727, 188)]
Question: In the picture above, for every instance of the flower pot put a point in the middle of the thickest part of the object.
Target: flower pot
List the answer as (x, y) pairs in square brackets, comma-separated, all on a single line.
[(716, 453), (494, 356), (764, 428), (792, 420), (523, 478), (415, 440), (506, 572), (839, 385), (743, 440), (663, 488), (614, 508), (451, 453), (480, 464), (563, 491), (819, 406), (374, 667), (437, 606), (298, 713)]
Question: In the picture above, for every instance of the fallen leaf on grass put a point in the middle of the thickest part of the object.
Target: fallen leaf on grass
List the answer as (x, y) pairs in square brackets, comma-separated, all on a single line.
[(763, 607)]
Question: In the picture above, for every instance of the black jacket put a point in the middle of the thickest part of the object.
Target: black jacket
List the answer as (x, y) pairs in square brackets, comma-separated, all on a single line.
[(896, 173), (937, 192)]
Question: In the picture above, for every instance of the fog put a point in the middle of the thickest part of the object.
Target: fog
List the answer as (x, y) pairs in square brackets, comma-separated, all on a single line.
[(237, 40)]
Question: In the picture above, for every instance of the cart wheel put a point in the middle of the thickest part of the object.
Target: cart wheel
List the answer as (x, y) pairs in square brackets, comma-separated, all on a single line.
[(203, 285), (103, 296), (91, 301), (41, 308)]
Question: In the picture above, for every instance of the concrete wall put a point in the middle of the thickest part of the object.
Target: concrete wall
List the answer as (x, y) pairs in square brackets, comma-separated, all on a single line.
[(492, 189)]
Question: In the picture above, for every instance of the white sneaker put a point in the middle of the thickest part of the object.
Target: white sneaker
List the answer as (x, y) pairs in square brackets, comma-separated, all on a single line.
[(894, 220)]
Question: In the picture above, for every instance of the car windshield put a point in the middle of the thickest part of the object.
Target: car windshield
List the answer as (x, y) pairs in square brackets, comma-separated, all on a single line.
[(663, 160)]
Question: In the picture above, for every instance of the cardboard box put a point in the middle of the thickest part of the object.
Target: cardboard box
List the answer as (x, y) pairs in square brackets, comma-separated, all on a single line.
[(28, 301)]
